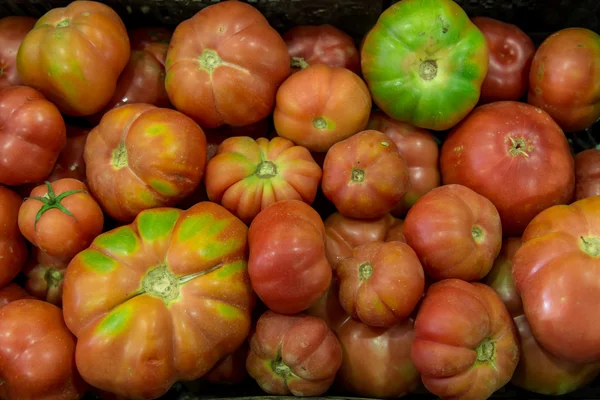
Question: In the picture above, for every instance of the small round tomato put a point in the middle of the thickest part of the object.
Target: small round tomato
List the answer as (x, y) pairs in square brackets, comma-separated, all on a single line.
[(296, 355), (320, 106), (365, 176), (12, 31), (587, 173), (11, 293), (45, 275), (61, 218), (565, 78), (510, 54), (13, 249)]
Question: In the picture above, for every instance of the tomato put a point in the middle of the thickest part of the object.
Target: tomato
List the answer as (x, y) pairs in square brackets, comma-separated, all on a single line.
[(421, 153), (320, 106), (45, 275), (142, 156), (455, 232), (12, 31), (587, 173), (296, 355), (32, 134), (230, 370), (248, 175), (538, 371), (365, 176), (288, 267), (564, 79), (167, 297), (322, 44), (510, 54), (61, 218), (13, 250), (425, 62), (465, 345), (224, 65), (504, 152), (74, 56), (37, 353), (11, 293), (556, 274)]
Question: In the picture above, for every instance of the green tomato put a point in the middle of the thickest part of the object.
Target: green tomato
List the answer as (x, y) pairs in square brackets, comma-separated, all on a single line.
[(424, 62)]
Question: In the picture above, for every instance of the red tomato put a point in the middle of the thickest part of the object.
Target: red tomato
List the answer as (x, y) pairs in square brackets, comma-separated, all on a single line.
[(504, 151), (557, 274), (12, 31), (365, 176), (511, 52), (296, 355), (224, 65), (565, 78), (466, 344), (45, 275), (230, 370), (322, 44), (37, 356), (455, 232), (13, 250), (11, 293), (587, 174), (421, 153), (32, 134), (288, 267)]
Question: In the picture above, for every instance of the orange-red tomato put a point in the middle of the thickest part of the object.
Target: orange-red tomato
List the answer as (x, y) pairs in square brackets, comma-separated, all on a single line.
[(12, 31), (12, 292), (13, 250), (587, 173), (45, 275), (230, 370)]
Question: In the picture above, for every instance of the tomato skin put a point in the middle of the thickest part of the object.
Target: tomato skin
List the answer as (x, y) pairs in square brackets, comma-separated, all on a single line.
[(230, 370), (288, 267), (587, 174), (12, 31), (365, 176), (12, 292), (564, 79), (555, 274), (13, 249), (510, 55), (320, 106), (247, 175), (242, 62), (45, 276), (322, 44), (74, 51), (504, 151), (301, 345), (465, 343), (37, 353), (32, 134)]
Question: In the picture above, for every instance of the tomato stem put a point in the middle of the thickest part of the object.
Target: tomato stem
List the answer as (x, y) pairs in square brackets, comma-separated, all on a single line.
[(119, 156), (50, 201), (320, 123), (279, 367), (519, 147), (477, 233), (365, 271), (358, 175), (299, 62), (266, 169), (486, 351), (591, 246), (428, 70), (209, 60)]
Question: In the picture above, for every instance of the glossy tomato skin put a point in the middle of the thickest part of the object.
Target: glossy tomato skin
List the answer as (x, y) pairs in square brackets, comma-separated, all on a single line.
[(288, 267), (224, 65), (320, 106), (142, 156), (248, 175), (322, 44), (420, 151), (538, 371), (504, 151), (296, 355), (45, 276), (510, 54), (194, 302), (12, 31), (75, 51), (565, 78), (32, 134), (465, 345), (365, 176), (425, 62), (37, 353), (587, 174), (12, 292), (558, 296), (13, 250), (455, 232)]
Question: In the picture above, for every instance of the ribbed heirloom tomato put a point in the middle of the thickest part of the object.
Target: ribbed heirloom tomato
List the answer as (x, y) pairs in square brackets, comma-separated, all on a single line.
[(13, 250), (12, 31)]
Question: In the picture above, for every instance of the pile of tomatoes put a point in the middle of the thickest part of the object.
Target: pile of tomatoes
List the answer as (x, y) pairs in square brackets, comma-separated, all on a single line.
[(224, 202)]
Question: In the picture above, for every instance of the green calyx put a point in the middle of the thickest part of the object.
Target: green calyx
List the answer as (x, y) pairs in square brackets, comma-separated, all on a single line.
[(299, 62), (486, 351), (320, 123), (53, 277), (477, 233), (280, 368), (50, 200), (266, 169), (591, 246), (209, 60), (428, 70), (63, 24), (358, 175), (119, 156), (365, 271)]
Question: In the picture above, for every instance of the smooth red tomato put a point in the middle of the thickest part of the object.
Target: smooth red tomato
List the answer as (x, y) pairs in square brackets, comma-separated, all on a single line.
[(224, 65), (510, 54), (565, 78), (322, 44), (320, 106), (587, 173), (288, 267), (504, 151), (365, 176), (12, 31), (32, 134), (466, 344), (557, 275), (13, 250), (12, 292), (37, 356), (45, 275)]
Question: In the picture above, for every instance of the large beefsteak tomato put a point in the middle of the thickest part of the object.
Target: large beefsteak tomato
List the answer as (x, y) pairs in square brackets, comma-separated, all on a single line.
[(587, 173), (13, 250), (12, 31)]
